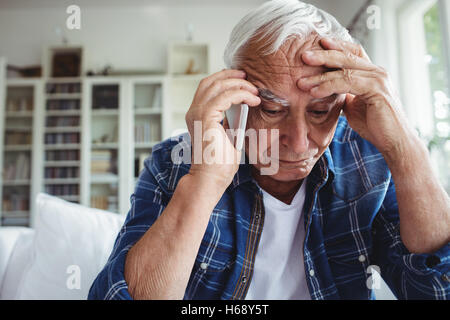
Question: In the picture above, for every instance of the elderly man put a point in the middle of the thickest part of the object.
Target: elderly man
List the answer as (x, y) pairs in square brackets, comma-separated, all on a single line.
[(352, 194)]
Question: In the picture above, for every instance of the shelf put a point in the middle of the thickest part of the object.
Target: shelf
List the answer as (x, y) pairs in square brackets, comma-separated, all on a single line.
[(189, 77), (62, 129), (106, 145), (19, 114), (62, 163), (63, 112), (104, 178), (63, 96), (148, 111), (62, 181), (144, 145), (105, 112), (16, 214), (19, 129), (18, 147), (66, 146), (70, 197), (15, 183), (64, 80)]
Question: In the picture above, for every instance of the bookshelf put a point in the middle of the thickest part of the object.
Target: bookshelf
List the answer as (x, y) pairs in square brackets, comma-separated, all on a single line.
[(85, 138), (62, 133), (20, 157), (62, 126), (102, 142), (149, 118)]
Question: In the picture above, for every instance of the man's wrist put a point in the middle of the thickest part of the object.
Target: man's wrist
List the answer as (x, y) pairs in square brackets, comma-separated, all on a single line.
[(206, 183), (408, 155)]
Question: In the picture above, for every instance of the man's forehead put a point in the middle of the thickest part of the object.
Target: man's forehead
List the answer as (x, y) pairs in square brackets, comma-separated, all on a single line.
[(285, 65)]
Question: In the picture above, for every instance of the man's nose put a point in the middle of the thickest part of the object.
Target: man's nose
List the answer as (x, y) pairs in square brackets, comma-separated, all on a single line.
[(295, 137)]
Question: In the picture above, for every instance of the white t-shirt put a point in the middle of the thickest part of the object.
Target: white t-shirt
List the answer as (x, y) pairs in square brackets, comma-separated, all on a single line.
[(279, 272)]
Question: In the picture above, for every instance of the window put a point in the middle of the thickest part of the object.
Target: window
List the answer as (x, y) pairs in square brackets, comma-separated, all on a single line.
[(435, 58), (425, 75)]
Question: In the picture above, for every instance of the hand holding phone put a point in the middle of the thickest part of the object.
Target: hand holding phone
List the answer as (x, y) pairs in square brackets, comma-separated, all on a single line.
[(237, 119)]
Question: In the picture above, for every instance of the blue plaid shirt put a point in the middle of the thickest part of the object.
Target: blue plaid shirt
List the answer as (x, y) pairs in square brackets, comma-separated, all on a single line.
[(351, 223)]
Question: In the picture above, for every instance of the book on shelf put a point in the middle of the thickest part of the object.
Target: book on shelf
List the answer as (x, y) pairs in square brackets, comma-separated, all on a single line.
[(147, 131), (19, 104), (105, 97), (17, 138), (15, 202), (61, 172), (63, 121), (55, 88), (18, 170), (139, 163), (62, 138), (59, 155), (104, 202), (101, 161), (69, 104), (62, 190)]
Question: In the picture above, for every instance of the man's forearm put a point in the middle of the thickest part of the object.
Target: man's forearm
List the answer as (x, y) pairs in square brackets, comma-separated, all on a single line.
[(424, 206), (159, 265)]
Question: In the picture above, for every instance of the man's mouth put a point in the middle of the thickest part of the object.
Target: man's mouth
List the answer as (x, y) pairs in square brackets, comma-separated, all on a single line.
[(299, 163)]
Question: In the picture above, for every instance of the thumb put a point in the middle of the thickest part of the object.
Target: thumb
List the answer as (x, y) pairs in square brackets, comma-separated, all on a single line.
[(349, 98)]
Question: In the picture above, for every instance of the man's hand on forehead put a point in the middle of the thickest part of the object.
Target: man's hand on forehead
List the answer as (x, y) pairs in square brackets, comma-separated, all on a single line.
[(372, 107)]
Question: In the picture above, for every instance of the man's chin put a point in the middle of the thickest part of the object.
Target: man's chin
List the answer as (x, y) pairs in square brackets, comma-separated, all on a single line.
[(291, 174)]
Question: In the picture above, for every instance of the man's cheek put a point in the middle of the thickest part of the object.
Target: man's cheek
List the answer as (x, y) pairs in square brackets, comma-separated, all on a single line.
[(323, 135)]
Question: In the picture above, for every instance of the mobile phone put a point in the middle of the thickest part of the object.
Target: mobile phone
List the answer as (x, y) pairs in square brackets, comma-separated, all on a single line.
[(237, 119)]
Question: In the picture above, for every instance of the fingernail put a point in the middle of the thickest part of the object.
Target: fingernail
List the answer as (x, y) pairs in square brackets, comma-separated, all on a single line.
[(308, 54)]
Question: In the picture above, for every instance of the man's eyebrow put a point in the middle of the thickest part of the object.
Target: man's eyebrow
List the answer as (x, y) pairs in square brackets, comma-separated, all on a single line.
[(268, 95), (329, 100)]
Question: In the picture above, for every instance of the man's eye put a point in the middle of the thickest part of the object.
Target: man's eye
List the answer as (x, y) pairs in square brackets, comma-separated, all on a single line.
[(317, 113), (272, 112)]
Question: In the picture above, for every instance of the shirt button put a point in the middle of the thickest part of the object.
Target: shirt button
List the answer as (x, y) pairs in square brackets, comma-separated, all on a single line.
[(203, 265), (244, 279), (257, 217), (362, 258), (445, 277), (311, 272)]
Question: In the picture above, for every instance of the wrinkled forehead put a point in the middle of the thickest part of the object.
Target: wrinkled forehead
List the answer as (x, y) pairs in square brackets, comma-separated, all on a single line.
[(282, 68)]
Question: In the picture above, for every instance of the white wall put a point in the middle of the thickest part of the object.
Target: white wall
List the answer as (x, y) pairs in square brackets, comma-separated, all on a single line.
[(127, 38), (134, 36)]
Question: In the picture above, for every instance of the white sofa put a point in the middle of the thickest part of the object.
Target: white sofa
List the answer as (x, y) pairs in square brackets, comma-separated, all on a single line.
[(62, 255)]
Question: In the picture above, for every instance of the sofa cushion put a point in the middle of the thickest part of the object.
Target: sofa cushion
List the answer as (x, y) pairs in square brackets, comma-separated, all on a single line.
[(18, 262), (72, 244)]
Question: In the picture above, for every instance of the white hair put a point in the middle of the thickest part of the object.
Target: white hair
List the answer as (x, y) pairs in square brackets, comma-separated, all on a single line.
[(278, 20)]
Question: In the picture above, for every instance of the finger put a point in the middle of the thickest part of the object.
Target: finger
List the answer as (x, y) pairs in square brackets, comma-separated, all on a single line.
[(306, 84), (359, 86), (222, 75), (226, 99), (344, 46), (337, 60), (223, 85)]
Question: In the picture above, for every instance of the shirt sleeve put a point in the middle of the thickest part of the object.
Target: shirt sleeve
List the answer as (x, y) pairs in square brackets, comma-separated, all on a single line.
[(409, 276), (147, 203)]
